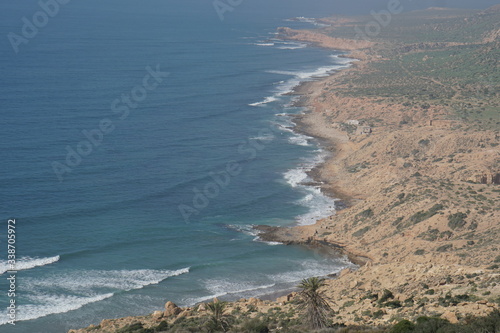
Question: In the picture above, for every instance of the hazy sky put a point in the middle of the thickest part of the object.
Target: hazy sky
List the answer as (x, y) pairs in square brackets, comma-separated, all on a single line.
[(323, 8), (365, 6)]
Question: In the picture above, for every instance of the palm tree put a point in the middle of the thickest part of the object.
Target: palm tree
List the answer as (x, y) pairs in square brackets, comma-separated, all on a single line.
[(313, 302), (218, 320)]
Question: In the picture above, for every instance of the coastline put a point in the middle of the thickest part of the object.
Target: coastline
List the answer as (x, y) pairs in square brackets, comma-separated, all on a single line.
[(378, 187), (356, 174), (325, 249), (336, 143)]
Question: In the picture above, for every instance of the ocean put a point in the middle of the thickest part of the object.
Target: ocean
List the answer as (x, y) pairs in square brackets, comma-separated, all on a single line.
[(140, 143)]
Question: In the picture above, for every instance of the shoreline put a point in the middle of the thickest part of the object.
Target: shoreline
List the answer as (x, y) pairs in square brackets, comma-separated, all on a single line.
[(335, 143), (342, 199), (363, 186), (402, 179)]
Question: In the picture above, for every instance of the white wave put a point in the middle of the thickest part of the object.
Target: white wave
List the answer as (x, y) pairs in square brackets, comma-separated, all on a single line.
[(299, 175), (304, 75), (299, 270), (292, 46), (320, 206), (342, 60), (322, 25), (301, 19), (223, 287), (264, 44), (25, 263), (282, 73), (285, 128), (193, 301), (63, 292), (239, 287), (284, 121), (266, 100), (247, 229), (263, 138), (323, 71), (309, 20), (299, 140), (257, 239), (286, 87), (53, 304), (295, 177), (308, 268), (92, 280)]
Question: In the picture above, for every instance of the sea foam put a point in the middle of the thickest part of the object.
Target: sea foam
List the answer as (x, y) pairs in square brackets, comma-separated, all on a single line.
[(25, 263), (64, 292), (320, 206)]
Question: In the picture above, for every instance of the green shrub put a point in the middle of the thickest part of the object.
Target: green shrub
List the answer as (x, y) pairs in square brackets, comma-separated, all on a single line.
[(446, 234), (473, 226), (403, 326), (358, 167), (373, 297), (361, 232), (457, 220), (420, 252), (423, 301), (422, 216), (135, 328), (424, 142), (378, 314), (348, 304), (393, 304), (163, 326), (386, 296), (398, 220), (365, 214), (444, 248), (428, 325), (450, 300), (255, 326), (251, 308), (490, 323), (409, 301)]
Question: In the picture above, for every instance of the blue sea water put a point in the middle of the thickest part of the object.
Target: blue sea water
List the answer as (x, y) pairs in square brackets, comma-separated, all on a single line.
[(162, 206)]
